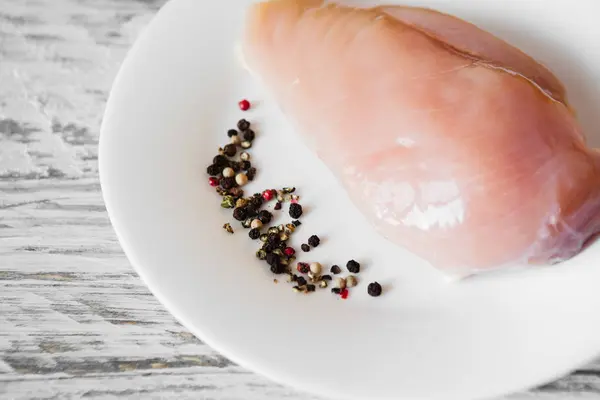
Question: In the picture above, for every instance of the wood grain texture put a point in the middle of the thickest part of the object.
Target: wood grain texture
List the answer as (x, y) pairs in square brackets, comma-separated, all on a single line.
[(75, 320)]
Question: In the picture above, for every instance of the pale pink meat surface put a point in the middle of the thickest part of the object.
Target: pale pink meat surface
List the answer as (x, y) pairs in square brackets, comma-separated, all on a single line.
[(456, 145)]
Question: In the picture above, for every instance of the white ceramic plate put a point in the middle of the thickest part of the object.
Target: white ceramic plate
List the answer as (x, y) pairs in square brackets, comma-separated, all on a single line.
[(171, 105)]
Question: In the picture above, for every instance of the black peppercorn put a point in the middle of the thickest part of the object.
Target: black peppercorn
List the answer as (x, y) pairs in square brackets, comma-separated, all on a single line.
[(236, 166), (296, 223), (353, 266), (277, 268), (301, 281), (232, 133), (310, 288), (277, 206), (336, 290), (265, 216), (243, 124), (273, 239), (213, 170), (314, 241), (230, 150), (236, 192), (272, 259), (221, 161), (335, 270), (326, 277), (254, 234), (246, 165), (239, 214), (305, 247), (268, 247), (374, 289), (227, 183), (249, 135), (251, 211), (295, 210), (251, 173)]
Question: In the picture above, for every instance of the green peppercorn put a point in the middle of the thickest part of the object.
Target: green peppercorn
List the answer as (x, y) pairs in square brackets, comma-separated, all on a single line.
[(261, 254), (273, 230), (264, 238), (228, 202)]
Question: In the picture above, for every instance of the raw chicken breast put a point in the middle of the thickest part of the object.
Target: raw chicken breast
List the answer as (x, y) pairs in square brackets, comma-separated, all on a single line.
[(456, 145)]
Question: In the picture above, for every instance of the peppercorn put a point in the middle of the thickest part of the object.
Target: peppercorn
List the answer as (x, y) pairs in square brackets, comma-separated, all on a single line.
[(243, 124), (336, 290), (278, 206), (254, 234), (282, 245), (241, 179), (265, 216), (272, 259), (351, 281), (374, 289), (244, 105), (314, 241), (344, 294), (296, 289), (227, 183), (289, 251), (228, 172), (267, 195), (288, 190), (212, 181), (232, 132), (335, 269), (261, 254), (221, 161), (241, 203), (311, 288), (236, 140), (228, 228), (252, 211), (305, 248), (247, 223), (277, 269), (303, 268), (353, 267), (246, 144), (301, 281), (246, 165), (256, 224), (230, 150), (249, 135), (257, 200), (227, 202), (326, 277), (251, 173), (295, 211), (316, 268), (273, 230), (213, 170), (245, 156), (341, 283), (280, 198), (267, 247), (284, 236), (278, 252), (273, 239), (239, 214), (264, 238), (323, 284), (296, 223), (236, 192)]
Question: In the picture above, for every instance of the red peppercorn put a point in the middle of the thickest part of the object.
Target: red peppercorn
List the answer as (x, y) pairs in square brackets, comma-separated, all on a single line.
[(213, 181), (288, 251), (294, 201), (269, 194), (344, 294), (244, 105)]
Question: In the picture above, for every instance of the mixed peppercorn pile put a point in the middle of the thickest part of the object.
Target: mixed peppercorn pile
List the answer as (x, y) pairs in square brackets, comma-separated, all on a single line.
[(228, 174)]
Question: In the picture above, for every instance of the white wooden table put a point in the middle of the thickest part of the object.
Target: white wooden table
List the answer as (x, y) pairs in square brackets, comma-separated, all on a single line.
[(75, 320)]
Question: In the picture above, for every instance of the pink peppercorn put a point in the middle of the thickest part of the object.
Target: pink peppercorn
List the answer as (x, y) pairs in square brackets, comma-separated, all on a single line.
[(288, 251), (213, 181), (244, 105)]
